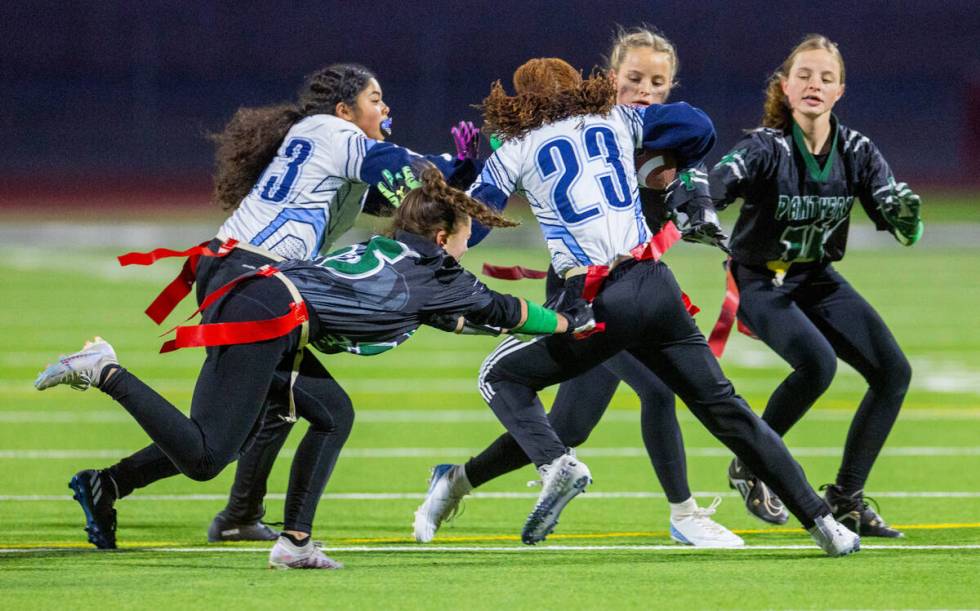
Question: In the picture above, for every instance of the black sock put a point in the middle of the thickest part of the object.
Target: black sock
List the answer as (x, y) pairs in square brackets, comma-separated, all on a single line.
[(106, 371), (295, 541)]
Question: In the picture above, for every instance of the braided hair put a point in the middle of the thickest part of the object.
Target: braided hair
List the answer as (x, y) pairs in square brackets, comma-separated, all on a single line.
[(249, 141), (435, 206)]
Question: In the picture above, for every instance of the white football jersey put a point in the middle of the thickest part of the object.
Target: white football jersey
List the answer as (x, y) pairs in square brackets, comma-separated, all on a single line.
[(578, 176), (309, 195)]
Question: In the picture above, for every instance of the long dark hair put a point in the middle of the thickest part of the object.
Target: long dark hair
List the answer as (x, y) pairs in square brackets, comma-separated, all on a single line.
[(251, 138), (436, 206), (547, 89)]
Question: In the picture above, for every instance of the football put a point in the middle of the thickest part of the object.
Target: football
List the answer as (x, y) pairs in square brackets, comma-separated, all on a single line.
[(655, 169)]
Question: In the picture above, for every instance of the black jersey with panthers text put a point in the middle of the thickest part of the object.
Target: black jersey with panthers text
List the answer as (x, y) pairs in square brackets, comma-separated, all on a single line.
[(796, 206), (372, 296)]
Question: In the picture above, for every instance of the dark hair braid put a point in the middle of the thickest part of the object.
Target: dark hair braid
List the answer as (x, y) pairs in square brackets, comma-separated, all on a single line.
[(436, 206), (249, 141)]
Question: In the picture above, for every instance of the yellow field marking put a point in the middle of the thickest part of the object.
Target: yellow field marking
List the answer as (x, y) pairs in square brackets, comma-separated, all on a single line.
[(472, 539), (641, 534)]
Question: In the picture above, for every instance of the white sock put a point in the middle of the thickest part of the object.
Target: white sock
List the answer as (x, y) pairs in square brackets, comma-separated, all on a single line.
[(683, 509), (461, 483)]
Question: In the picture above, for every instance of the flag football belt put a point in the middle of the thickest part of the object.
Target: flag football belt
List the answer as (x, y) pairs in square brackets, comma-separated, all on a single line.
[(729, 308), (180, 286), (226, 333)]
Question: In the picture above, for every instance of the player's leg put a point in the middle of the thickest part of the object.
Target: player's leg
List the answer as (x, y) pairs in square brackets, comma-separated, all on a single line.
[(322, 402), (679, 354), (862, 340), (241, 519), (774, 316), (689, 523), (577, 408)]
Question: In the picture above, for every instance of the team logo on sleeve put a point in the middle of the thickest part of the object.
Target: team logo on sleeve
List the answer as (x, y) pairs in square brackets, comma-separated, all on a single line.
[(365, 260)]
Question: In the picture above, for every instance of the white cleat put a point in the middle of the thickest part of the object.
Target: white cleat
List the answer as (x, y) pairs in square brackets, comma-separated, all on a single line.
[(81, 369), (447, 486), (286, 555), (561, 481), (699, 530), (833, 537)]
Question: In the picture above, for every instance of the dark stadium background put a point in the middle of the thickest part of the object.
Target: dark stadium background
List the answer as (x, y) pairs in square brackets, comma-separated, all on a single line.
[(114, 97)]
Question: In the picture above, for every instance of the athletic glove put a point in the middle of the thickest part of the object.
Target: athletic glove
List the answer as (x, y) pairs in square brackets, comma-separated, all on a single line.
[(396, 186), (698, 223), (900, 207), (466, 137), (580, 316)]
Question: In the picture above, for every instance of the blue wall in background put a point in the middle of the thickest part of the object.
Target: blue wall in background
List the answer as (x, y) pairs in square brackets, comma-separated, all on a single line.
[(130, 88)]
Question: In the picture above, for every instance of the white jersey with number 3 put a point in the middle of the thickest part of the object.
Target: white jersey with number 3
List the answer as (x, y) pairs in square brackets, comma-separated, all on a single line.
[(311, 189)]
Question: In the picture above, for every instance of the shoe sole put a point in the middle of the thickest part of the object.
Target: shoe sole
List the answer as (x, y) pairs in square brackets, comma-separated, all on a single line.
[(527, 535), (83, 494)]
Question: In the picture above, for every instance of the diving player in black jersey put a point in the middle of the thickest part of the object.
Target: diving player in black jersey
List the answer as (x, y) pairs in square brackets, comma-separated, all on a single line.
[(364, 299), (798, 176)]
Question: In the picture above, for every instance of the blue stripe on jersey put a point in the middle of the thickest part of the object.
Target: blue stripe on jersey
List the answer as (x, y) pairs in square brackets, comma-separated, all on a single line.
[(315, 218), (641, 225), (560, 232)]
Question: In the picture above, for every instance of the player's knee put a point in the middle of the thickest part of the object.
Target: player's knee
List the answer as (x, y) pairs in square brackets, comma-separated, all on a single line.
[(820, 367), (894, 376), (204, 470)]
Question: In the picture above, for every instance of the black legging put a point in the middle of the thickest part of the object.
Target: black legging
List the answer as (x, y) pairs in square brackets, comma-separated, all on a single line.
[(580, 405), (815, 317), (642, 308), (227, 407)]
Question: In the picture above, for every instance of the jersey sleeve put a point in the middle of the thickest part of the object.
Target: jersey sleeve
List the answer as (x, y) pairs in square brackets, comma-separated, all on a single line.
[(679, 127), (499, 178), (748, 161), (875, 180), (462, 294), (368, 158)]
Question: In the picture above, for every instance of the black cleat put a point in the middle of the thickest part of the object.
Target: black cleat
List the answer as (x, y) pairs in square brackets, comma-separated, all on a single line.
[(224, 529), (96, 494), (759, 499), (853, 511)]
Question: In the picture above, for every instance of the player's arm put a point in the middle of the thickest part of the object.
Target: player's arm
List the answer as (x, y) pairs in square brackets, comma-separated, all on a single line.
[(465, 304), (493, 187), (689, 134), (892, 205), (750, 160)]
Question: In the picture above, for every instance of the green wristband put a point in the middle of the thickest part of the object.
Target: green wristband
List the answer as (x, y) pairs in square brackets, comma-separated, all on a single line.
[(540, 320)]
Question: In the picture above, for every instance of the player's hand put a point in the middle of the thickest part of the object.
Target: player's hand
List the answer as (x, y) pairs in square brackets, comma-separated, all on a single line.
[(900, 207), (699, 224), (396, 186), (579, 315), (466, 137)]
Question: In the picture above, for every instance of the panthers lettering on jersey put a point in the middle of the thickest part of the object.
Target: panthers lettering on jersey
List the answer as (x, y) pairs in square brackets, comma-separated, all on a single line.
[(579, 177), (372, 296), (314, 188), (796, 207)]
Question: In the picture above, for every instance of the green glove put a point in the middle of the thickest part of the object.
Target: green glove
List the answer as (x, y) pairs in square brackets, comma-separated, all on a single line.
[(396, 186), (495, 142), (900, 207)]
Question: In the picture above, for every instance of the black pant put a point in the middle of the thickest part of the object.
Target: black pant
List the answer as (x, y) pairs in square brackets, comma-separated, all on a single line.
[(813, 318), (255, 464), (642, 308), (228, 403), (580, 404)]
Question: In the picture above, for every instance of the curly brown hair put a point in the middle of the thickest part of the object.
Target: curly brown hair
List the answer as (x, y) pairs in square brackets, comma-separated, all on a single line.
[(547, 89), (249, 141), (435, 206)]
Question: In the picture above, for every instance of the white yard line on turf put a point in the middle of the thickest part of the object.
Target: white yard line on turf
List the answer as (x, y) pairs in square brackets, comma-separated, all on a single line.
[(392, 496), (446, 453), (463, 416), (538, 549)]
